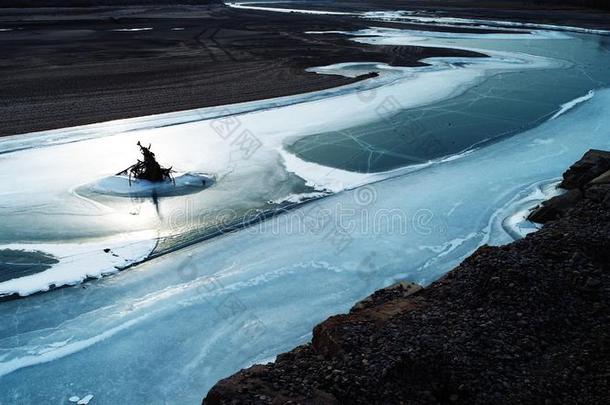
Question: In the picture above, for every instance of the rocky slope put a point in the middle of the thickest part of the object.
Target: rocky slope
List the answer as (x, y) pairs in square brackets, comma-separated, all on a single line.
[(524, 323)]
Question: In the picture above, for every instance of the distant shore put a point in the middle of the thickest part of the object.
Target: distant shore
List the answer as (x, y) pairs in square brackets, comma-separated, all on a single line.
[(73, 66), (578, 13)]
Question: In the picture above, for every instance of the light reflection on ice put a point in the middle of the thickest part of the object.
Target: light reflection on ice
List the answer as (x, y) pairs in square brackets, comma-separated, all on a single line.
[(260, 268), (244, 181)]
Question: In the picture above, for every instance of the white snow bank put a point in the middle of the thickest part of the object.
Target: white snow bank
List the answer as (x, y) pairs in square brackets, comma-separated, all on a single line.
[(85, 400), (132, 29), (411, 17), (515, 223), (418, 17), (252, 6), (573, 103), (419, 35), (78, 261)]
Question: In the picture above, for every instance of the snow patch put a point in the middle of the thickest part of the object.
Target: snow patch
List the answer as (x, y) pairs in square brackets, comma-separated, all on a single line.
[(571, 104), (516, 223), (427, 18), (251, 6), (132, 29), (78, 261)]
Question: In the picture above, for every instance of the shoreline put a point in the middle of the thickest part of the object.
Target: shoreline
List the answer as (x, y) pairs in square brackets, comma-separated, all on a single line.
[(94, 65), (519, 323), (119, 65), (551, 12)]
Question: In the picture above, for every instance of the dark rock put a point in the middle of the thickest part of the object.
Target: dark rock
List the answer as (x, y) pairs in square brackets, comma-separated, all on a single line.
[(399, 289), (598, 189), (602, 179), (591, 165), (597, 192), (323, 398), (555, 207)]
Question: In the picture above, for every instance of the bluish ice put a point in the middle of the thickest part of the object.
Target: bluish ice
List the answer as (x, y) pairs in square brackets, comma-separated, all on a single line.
[(166, 330)]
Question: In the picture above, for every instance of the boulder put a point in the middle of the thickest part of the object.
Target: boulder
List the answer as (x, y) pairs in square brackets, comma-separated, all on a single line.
[(328, 338), (593, 164), (602, 179), (556, 207)]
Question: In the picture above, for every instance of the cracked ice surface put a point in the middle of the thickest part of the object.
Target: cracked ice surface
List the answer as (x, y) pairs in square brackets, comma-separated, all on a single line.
[(205, 311), (210, 309), (502, 104), (56, 211)]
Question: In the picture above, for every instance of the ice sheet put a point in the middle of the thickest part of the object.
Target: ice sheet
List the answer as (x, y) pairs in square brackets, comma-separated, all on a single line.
[(132, 321), (52, 200), (208, 310)]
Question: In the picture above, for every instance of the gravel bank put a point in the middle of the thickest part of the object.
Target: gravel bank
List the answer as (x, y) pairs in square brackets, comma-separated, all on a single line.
[(524, 323)]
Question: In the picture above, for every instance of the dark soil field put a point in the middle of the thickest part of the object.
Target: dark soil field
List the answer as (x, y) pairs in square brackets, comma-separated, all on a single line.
[(67, 66), (70, 66)]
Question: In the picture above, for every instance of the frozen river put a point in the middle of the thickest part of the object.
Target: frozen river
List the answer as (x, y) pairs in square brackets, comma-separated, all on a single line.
[(403, 176)]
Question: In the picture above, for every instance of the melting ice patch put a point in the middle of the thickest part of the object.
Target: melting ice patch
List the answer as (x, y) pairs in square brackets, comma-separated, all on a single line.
[(123, 186), (323, 178)]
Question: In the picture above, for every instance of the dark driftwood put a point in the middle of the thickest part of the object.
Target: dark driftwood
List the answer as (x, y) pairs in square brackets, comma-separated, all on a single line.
[(148, 168)]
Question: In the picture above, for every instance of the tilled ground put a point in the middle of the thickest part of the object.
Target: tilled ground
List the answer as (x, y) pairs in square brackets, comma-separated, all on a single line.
[(71, 66)]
